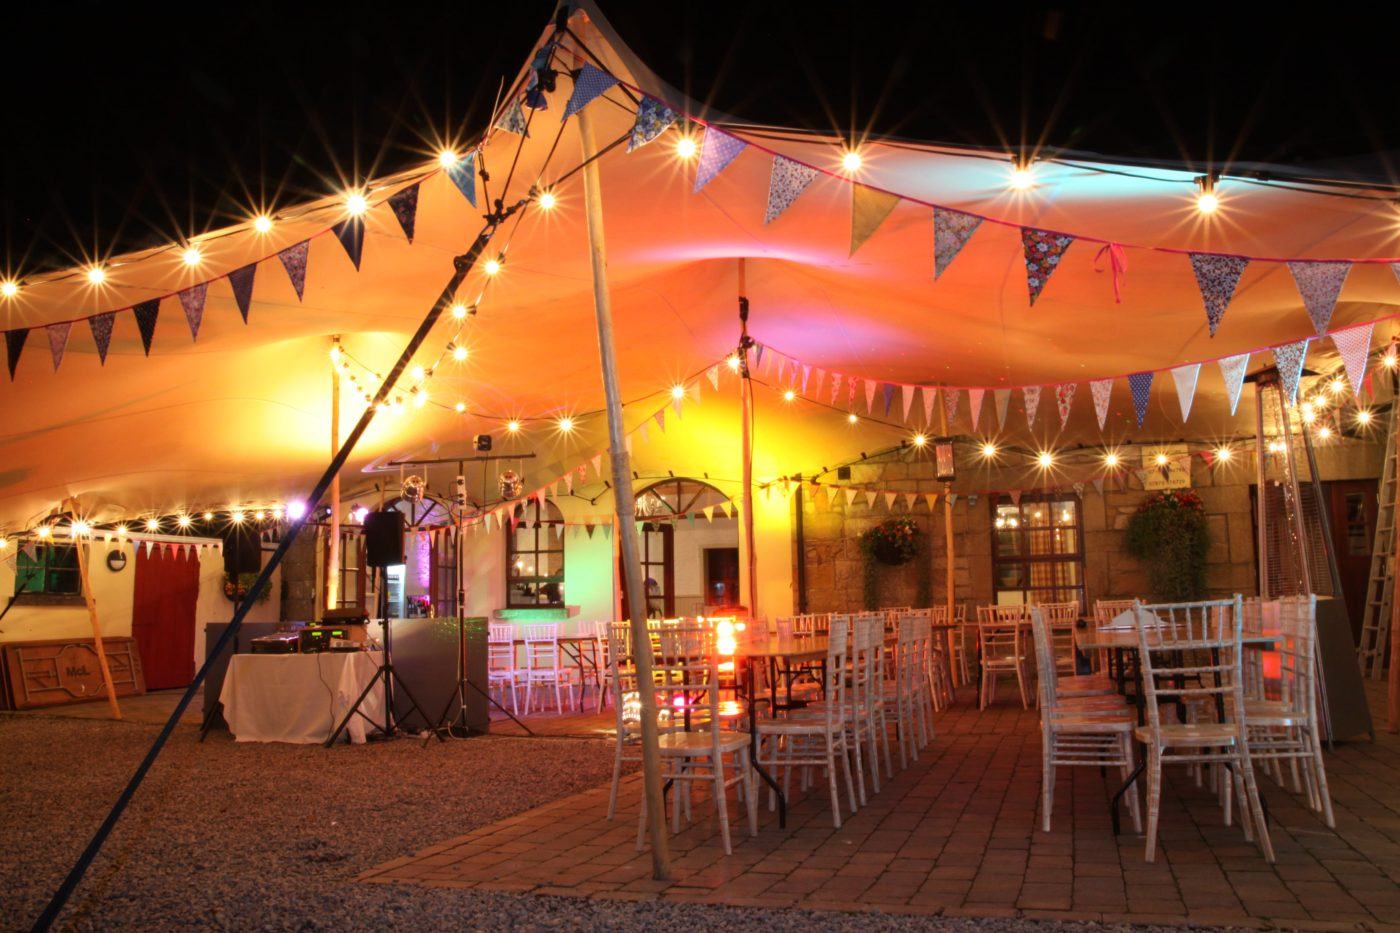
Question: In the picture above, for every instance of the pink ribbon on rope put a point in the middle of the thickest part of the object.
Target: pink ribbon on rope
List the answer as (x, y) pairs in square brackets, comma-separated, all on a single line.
[(1118, 261)]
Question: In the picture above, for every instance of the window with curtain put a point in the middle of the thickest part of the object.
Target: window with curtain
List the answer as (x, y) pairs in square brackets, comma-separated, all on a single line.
[(47, 569), (1038, 549), (535, 557)]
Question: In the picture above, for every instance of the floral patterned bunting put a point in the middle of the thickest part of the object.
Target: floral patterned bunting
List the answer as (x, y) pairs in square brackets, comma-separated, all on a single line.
[(974, 401), (653, 119), (1354, 347), (1217, 276), (951, 397), (1064, 399), (1031, 394), (294, 261), (58, 341), (1043, 250), (1185, 378), (192, 300), (1232, 370), (717, 150), (1140, 385), (404, 204), (590, 84), (1102, 391), (786, 182), (951, 231), (513, 120), (1289, 359), (1320, 283), (101, 327)]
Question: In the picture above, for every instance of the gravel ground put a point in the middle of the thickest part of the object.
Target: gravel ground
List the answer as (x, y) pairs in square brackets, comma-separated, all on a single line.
[(251, 836)]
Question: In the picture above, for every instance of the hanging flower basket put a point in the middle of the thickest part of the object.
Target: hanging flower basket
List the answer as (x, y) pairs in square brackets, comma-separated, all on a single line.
[(1169, 535), (236, 586), (892, 542)]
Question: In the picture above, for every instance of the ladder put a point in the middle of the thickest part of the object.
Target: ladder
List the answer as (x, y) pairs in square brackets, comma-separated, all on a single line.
[(1375, 624)]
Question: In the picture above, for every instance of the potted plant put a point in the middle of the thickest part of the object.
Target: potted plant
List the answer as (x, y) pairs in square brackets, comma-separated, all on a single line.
[(1168, 534), (893, 543)]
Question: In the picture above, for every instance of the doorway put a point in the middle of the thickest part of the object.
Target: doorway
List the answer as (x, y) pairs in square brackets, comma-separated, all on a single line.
[(1353, 519), (721, 577), (165, 593)]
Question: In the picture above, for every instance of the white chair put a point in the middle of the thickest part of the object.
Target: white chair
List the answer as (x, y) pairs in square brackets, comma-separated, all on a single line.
[(627, 704), (867, 693), (815, 740), (501, 671), (600, 655), (1105, 611), (1061, 619), (544, 666), (1098, 733), (1192, 652), (999, 635), (908, 695)]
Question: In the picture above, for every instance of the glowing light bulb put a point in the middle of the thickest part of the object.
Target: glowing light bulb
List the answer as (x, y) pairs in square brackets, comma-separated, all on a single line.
[(789, 395), (9, 288), (96, 275), (184, 521), (237, 517), (192, 256), (459, 311), (277, 513), (417, 372), (121, 531), (677, 391), (43, 531), (512, 426), (1363, 416), (852, 418), (920, 440), (208, 516), (1309, 414), (492, 266), (259, 515), (548, 201), (447, 158), (1207, 202), (420, 398), (989, 450), (1110, 460), (1021, 177), (460, 407), (335, 353), (356, 204), (1223, 454), (1160, 460), (851, 161), (1046, 459), (459, 352), (262, 223), (1337, 385), (296, 509), (80, 527), (153, 524), (733, 362), (1389, 360), (566, 424), (1324, 432), (359, 514), (686, 148)]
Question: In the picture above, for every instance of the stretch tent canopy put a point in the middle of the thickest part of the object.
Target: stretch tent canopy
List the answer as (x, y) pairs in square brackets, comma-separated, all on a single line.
[(242, 413)]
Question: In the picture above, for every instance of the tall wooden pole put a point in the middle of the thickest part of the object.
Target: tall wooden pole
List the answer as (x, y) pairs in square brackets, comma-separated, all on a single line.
[(1393, 685), (71, 506), (624, 505), (333, 550), (950, 587), (746, 416)]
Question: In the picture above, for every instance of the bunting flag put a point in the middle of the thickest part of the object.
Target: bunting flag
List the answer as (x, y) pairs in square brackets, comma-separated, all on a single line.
[(653, 119), (787, 181), (351, 234), (1320, 283), (1098, 484), (713, 374), (870, 498), (1043, 250), (1354, 347), (146, 314), (1289, 359), (101, 327), (869, 208), (463, 173), (889, 501), (928, 393), (294, 261), (1102, 391), (831, 492), (404, 204), (932, 499), (192, 300), (1185, 377), (1064, 399), (835, 387), (1217, 276), (869, 397), (590, 84), (512, 121), (889, 398), (950, 403), (241, 281), (14, 346), (717, 150), (58, 341), (1233, 369), (951, 231), (1140, 385), (1032, 399), (974, 402), (1002, 398), (850, 496), (1016, 496), (908, 391)]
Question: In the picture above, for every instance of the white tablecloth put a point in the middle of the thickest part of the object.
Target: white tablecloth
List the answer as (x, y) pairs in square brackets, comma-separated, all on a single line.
[(299, 697)]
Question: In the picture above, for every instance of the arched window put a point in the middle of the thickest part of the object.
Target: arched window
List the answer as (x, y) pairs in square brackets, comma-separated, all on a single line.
[(535, 557), (690, 562)]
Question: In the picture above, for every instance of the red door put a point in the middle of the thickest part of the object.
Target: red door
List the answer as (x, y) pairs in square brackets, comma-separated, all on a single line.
[(162, 615)]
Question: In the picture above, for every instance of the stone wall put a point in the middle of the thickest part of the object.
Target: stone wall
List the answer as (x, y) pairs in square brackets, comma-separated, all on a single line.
[(835, 565), (300, 579)]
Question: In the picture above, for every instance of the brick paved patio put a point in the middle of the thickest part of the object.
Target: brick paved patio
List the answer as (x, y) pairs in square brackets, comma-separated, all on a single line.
[(957, 834)]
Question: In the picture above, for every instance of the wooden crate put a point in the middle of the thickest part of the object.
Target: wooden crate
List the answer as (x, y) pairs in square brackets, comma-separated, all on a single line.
[(59, 671)]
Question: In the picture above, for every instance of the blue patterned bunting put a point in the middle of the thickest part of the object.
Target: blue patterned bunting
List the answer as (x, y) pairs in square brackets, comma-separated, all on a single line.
[(589, 85), (146, 314), (101, 327), (1217, 277), (294, 261), (513, 120), (1140, 384), (889, 398), (241, 281), (786, 183), (1320, 284), (653, 119), (717, 150), (192, 300), (404, 204), (463, 175), (1289, 360)]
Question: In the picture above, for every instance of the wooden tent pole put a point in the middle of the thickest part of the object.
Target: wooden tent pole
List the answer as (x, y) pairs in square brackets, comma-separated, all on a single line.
[(71, 507), (746, 433), (333, 548), (1393, 684), (949, 583), (624, 505)]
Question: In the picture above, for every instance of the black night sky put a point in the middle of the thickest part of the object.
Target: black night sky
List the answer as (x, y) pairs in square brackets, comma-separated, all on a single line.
[(131, 124)]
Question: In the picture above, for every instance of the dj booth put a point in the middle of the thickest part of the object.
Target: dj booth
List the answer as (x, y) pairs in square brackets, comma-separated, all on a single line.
[(289, 700)]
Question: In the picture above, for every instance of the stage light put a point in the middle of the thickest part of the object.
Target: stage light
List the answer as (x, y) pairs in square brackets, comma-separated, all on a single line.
[(1045, 459), (852, 418), (153, 524), (447, 158), (686, 148), (459, 311), (1207, 202), (678, 391), (359, 514), (355, 203), (262, 223), (96, 275), (1363, 416), (9, 288), (493, 266), (296, 509), (1223, 454), (184, 521), (566, 424), (459, 352), (789, 395), (548, 201), (920, 440), (460, 407), (989, 450), (1110, 460), (1022, 178), (512, 426), (192, 256), (851, 161), (236, 517)]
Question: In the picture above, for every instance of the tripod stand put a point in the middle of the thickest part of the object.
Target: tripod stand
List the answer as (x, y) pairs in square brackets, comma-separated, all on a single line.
[(387, 674), (455, 725)]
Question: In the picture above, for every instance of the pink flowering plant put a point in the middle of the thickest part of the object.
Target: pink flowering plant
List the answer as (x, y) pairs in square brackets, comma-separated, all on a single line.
[(1169, 536), (892, 542)]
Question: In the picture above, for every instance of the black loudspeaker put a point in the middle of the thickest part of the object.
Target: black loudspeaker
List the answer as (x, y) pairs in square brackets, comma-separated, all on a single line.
[(242, 550), (384, 538)]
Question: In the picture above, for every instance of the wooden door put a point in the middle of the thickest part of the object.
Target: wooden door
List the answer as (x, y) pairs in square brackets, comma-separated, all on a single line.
[(164, 595), (1353, 519), (658, 558), (721, 576)]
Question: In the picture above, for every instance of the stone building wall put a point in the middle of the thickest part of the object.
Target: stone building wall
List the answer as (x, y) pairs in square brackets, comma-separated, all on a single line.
[(835, 565), (300, 579)]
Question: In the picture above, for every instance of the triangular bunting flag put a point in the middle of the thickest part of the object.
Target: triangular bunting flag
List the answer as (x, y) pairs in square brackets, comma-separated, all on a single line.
[(869, 397), (717, 150), (889, 398), (709, 513), (850, 496), (869, 208), (1140, 385), (1185, 377), (653, 119), (404, 204), (101, 327), (58, 341), (1002, 400), (1217, 277), (1101, 390), (1015, 496), (870, 498), (192, 300), (1319, 283), (598, 465), (294, 261), (831, 492), (714, 377), (588, 86), (1289, 360), (952, 498), (660, 418), (1353, 346), (511, 121), (951, 231), (806, 376), (951, 397), (835, 387), (1098, 484), (1043, 250), (351, 234), (146, 314), (909, 500), (463, 172), (929, 393), (889, 501), (241, 281), (908, 392), (785, 183), (1233, 369), (932, 499), (1032, 398), (974, 401), (14, 346), (1064, 399)]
